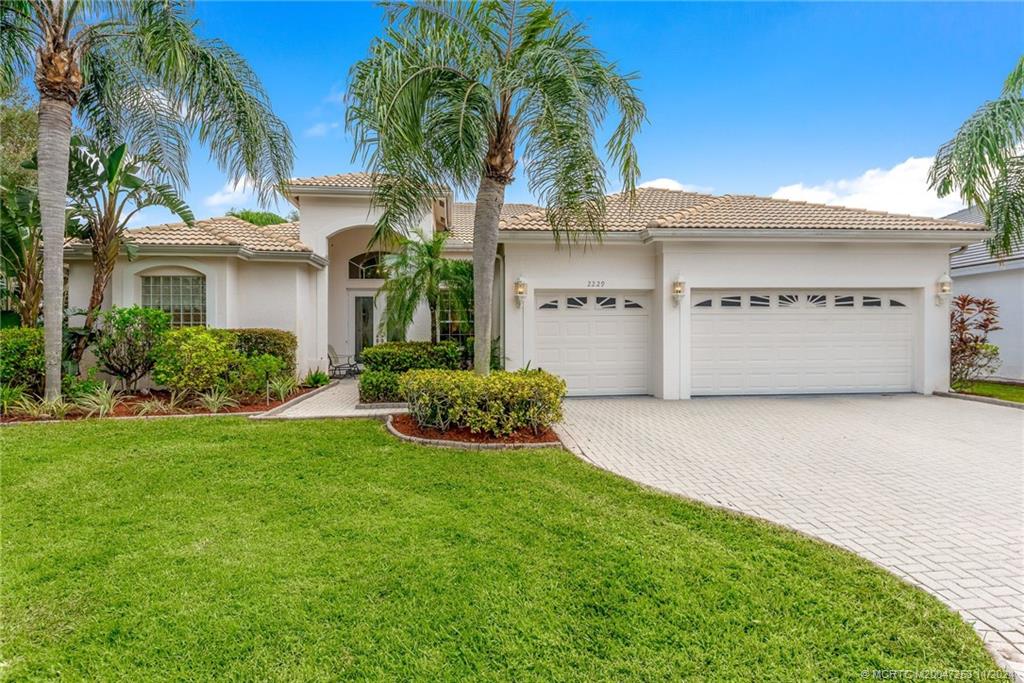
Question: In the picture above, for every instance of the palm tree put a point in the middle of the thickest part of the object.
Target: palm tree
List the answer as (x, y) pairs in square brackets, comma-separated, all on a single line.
[(22, 252), (133, 71), (985, 162), (450, 92), (107, 189), (418, 272)]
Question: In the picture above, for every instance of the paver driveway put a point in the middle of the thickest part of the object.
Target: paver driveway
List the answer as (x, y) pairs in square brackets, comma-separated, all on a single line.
[(930, 488)]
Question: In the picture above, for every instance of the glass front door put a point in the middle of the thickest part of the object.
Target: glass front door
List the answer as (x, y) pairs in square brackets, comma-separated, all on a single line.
[(364, 323)]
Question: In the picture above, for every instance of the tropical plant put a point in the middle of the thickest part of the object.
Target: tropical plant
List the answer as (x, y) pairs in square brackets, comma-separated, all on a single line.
[(261, 217), (316, 378), (128, 339), (134, 72), (107, 189), (102, 401), (283, 386), (418, 272), (21, 251), (452, 90), (216, 399), (10, 395), (152, 406), (971, 356), (984, 162), (57, 408)]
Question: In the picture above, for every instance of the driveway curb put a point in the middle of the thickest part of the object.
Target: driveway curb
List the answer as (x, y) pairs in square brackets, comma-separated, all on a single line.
[(980, 399)]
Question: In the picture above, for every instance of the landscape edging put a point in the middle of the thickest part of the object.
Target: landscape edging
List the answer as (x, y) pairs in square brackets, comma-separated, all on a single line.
[(466, 445)]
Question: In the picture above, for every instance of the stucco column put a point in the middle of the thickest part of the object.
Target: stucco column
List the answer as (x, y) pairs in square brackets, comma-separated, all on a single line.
[(670, 347)]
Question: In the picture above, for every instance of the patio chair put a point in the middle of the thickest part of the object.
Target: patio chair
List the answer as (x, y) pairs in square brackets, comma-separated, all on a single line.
[(340, 366)]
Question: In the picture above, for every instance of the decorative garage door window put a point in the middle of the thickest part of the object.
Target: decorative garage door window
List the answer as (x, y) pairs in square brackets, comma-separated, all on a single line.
[(790, 300), (579, 302)]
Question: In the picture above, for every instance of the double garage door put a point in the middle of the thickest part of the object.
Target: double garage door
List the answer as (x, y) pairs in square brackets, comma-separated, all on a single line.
[(742, 341), (801, 341)]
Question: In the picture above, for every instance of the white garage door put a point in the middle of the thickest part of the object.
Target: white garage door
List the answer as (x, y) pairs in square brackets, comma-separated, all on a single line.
[(801, 341), (595, 340)]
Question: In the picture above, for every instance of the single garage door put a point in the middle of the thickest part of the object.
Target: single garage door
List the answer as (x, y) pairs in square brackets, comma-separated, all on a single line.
[(801, 341), (595, 340)]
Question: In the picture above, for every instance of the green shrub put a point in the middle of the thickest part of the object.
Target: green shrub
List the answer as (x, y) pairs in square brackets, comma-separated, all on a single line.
[(74, 387), (402, 356), (22, 359), (379, 386), (127, 340), (256, 341), (193, 359), (251, 376), (498, 404), (316, 378)]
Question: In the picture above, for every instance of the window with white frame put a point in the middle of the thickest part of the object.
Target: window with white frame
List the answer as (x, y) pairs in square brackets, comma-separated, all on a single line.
[(183, 297), (450, 325)]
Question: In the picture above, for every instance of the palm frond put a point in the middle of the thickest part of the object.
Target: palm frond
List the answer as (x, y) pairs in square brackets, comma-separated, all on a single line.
[(17, 43)]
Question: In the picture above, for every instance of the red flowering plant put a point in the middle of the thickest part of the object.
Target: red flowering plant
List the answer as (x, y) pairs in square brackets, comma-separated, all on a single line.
[(972, 357)]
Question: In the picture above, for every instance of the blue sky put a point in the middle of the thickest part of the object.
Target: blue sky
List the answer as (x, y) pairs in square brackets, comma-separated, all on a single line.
[(839, 102)]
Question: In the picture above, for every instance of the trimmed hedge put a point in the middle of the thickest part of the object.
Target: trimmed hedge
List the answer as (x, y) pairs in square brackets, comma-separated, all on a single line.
[(403, 356), (256, 341), (22, 358), (499, 404), (194, 359), (379, 386)]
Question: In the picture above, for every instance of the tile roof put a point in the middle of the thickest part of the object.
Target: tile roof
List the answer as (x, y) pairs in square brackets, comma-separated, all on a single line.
[(651, 203), (749, 211), (977, 254), (658, 208), (462, 217), (217, 232), (343, 181)]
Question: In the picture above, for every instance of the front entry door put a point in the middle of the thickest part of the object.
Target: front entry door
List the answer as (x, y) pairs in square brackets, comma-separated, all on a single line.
[(364, 322)]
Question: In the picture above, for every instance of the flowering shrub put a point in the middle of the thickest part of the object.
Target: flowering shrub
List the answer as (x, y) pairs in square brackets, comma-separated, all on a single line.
[(499, 404), (971, 356)]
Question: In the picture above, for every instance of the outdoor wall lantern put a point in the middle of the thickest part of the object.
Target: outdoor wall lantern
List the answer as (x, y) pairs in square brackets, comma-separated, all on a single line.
[(519, 288), (678, 290), (943, 289)]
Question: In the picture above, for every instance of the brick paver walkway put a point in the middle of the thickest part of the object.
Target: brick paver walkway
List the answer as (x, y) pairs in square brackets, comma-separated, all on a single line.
[(930, 488), (337, 400)]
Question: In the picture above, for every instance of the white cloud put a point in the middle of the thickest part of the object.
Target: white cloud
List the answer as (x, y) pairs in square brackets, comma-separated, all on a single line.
[(232, 194), (321, 129), (900, 189), (671, 184)]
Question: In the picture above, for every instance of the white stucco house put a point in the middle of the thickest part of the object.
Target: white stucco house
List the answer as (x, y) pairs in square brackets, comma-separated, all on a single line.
[(976, 272), (686, 294)]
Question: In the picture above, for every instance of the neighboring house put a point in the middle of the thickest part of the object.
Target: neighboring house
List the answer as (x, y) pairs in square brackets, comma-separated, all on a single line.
[(685, 294), (976, 272)]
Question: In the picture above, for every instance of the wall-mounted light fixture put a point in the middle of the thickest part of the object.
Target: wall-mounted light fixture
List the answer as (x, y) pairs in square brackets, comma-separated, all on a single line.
[(519, 288), (943, 288), (678, 290)]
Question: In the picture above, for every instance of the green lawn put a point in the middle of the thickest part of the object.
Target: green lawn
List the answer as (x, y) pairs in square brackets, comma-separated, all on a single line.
[(202, 549), (1007, 392)]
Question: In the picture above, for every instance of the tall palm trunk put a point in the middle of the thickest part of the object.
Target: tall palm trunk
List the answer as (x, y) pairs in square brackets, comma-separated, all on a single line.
[(54, 150), (489, 199)]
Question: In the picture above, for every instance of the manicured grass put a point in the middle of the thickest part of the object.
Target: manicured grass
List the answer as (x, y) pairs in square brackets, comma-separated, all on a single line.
[(200, 549), (1006, 392)]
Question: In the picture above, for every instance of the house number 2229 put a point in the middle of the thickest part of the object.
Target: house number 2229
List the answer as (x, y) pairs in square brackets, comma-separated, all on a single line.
[(595, 283)]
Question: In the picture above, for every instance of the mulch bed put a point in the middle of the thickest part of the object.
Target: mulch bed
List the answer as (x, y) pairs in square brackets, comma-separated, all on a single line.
[(408, 426), (128, 408)]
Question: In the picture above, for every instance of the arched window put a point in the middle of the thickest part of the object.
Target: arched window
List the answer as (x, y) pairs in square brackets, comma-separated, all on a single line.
[(368, 266), (183, 297)]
